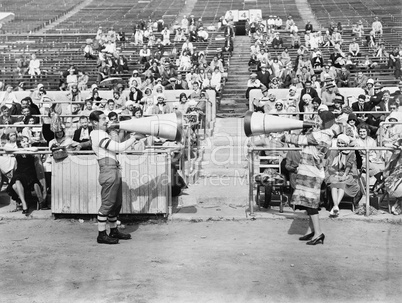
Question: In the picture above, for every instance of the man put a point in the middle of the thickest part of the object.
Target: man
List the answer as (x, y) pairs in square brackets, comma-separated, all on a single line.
[(343, 77), (308, 26), (354, 49), (180, 83), (398, 92), (109, 178), (264, 75), (377, 27), (277, 42), (360, 80), (81, 135)]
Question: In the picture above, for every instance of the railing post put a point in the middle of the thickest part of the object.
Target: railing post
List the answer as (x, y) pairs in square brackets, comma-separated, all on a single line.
[(367, 183), (250, 180)]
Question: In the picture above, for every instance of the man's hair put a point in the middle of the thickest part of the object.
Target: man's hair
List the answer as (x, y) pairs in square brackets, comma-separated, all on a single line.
[(83, 117), (94, 116), (4, 107)]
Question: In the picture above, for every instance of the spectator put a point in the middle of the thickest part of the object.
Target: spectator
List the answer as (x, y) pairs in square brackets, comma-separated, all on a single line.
[(139, 36), (376, 26), (81, 135), (343, 77), (264, 75), (166, 36), (72, 78), (294, 40), (308, 26), (179, 35), (103, 72), (376, 163), (328, 95), (394, 61), (354, 49), (217, 63), (25, 178), (9, 97), (277, 42), (308, 89), (135, 95), (185, 61), (285, 57), (341, 173), (360, 80), (88, 108), (135, 79), (34, 67), (145, 54), (89, 52), (182, 105), (188, 47), (180, 83), (202, 35), (82, 80), (317, 63), (121, 63), (252, 83)]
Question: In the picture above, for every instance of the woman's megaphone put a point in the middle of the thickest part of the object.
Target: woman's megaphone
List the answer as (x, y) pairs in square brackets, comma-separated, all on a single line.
[(256, 123), (167, 126)]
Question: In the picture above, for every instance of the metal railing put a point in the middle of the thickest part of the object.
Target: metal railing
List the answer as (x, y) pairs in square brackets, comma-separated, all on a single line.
[(253, 150)]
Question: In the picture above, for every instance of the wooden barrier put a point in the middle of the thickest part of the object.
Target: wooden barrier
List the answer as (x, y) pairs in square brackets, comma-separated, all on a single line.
[(146, 184)]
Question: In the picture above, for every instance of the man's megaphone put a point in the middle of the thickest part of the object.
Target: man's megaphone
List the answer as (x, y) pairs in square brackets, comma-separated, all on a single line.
[(256, 123), (167, 126)]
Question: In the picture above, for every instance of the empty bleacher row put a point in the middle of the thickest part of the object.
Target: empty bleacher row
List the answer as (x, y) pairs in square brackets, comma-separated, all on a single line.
[(33, 15)]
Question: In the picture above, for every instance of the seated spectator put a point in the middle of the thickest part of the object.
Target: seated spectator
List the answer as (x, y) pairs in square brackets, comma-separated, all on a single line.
[(182, 104), (213, 81), (110, 107), (279, 108), (367, 63), (317, 63), (34, 67), (185, 61), (74, 94), (306, 105), (274, 84), (305, 62), (303, 75), (217, 63), (188, 47), (328, 95), (328, 72), (354, 49), (5, 117), (181, 83), (292, 98), (145, 54), (135, 77), (81, 135), (341, 173), (82, 80), (295, 40), (343, 77), (376, 163), (121, 63), (369, 89), (351, 129), (252, 83), (89, 52), (25, 179), (277, 42), (358, 30), (202, 35), (161, 107), (9, 97), (360, 80), (276, 67), (88, 108), (371, 40), (103, 72), (376, 27), (135, 95), (263, 104)]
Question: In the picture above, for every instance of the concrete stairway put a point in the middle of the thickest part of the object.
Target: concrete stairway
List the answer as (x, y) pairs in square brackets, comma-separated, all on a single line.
[(223, 172), (233, 96)]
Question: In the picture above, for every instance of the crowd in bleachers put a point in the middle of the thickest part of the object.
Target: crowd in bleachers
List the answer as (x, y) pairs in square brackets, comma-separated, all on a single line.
[(41, 120), (315, 84)]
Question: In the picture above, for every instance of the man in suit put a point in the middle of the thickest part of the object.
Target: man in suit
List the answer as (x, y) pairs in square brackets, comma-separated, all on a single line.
[(180, 83), (81, 135), (264, 75), (365, 106), (343, 77)]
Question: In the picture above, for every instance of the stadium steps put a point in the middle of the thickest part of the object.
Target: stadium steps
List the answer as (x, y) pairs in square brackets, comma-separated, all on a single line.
[(233, 96), (223, 169)]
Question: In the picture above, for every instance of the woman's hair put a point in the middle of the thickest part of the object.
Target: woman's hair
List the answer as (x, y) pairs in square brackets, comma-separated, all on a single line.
[(29, 117), (112, 114), (137, 109), (183, 95)]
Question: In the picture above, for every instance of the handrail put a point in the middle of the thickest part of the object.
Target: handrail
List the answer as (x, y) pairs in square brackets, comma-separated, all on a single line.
[(252, 150)]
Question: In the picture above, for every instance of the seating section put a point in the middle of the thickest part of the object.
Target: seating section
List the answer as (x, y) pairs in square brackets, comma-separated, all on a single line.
[(122, 14), (31, 15)]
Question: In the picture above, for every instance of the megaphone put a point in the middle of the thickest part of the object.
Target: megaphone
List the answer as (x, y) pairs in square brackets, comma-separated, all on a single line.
[(167, 126), (256, 123)]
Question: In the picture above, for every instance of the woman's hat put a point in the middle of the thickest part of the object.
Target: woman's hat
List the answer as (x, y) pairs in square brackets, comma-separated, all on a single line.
[(343, 138), (351, 117)]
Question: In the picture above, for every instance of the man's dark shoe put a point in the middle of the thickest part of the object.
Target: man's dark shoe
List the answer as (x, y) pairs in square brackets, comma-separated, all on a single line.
[(103, 238), (116, 234)]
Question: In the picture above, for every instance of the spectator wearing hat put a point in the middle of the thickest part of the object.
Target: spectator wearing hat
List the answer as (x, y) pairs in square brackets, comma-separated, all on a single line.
[(202, 35), (369, 89), (376, 27), (337, 107), (121, 63), (341, 173), (327, 73), (135, 79), (277, 42), (328, 94), (252, 83)]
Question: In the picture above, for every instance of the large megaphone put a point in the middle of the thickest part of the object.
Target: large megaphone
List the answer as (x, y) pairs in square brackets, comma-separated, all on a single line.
[(167, 126), (256, 123)]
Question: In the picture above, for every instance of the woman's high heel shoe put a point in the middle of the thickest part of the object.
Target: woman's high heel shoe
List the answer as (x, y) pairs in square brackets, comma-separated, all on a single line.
[(319, 239), (307, 237)]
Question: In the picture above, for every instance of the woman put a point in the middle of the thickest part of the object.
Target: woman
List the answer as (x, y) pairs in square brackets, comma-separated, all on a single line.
[(393, 183), (25, 178), (310, 174), (341, 173), (182, 105), (33, 134), (376, 164), (351, 129), (74, 94), (96, 99)]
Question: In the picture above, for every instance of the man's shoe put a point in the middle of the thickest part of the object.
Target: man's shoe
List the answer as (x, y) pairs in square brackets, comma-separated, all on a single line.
[(116, 234), (103, 238)]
